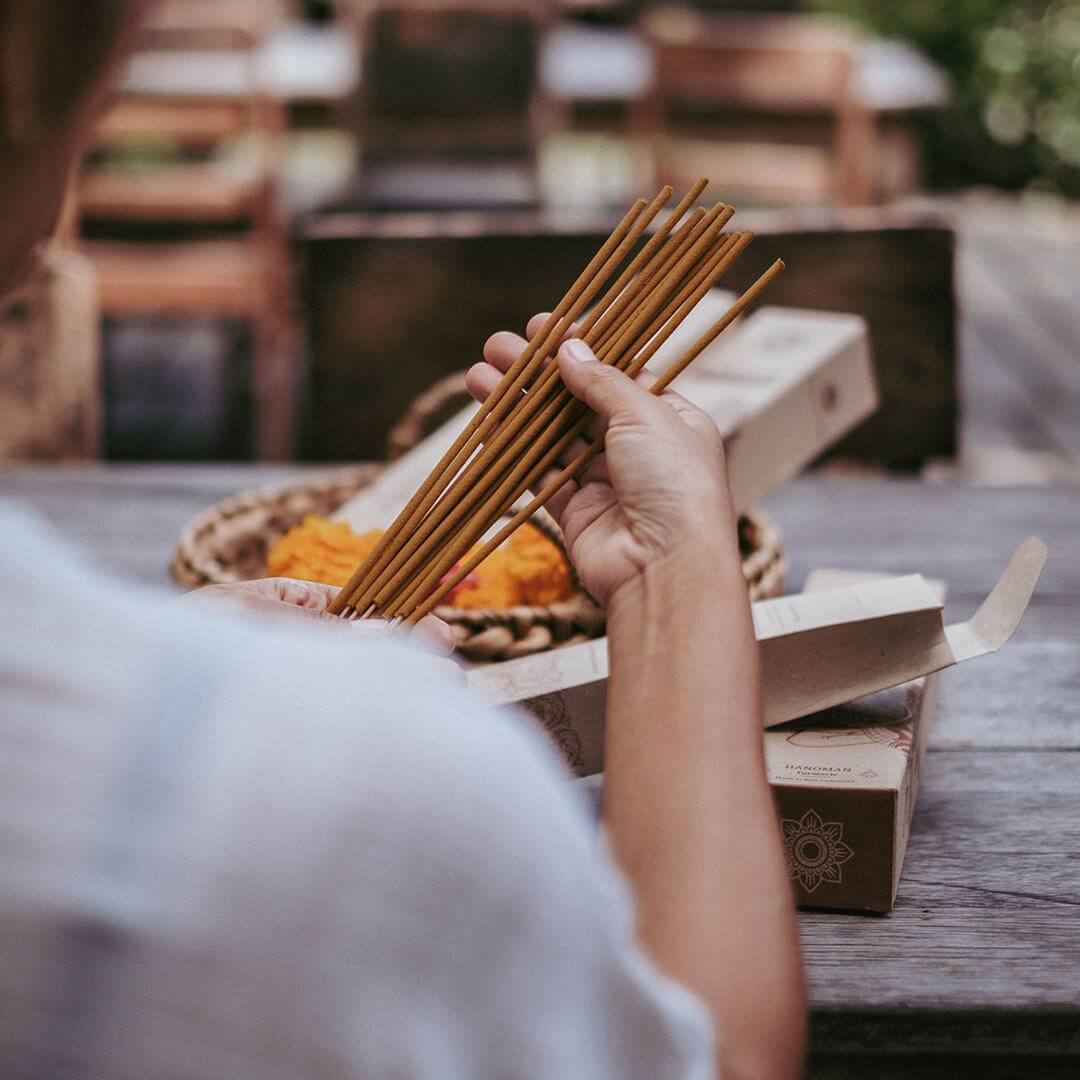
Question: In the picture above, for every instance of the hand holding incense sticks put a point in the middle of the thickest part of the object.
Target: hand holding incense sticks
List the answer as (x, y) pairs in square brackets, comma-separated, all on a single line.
[(530, 420)]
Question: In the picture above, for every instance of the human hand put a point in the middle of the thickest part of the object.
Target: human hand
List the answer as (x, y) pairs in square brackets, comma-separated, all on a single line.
[(659, 491), (307, 600)]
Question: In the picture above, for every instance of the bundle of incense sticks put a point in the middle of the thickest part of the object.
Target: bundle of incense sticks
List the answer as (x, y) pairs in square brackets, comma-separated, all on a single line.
[(530, 420)]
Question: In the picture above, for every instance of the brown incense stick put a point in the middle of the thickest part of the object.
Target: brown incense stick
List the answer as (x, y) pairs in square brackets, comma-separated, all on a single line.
[(530, 422), (706, 224), (501, 399), (535, 456), (507, 386), (468, 487), (578, 465), (360, 586), (529, 431)]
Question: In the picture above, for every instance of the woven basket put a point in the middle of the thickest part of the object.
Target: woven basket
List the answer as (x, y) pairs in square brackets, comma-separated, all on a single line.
[(229, 541)]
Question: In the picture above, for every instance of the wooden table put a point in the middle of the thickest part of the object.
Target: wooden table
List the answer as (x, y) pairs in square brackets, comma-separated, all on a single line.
[(977, 971)]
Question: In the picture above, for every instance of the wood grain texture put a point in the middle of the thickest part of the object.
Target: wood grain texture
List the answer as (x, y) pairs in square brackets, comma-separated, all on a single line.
[(988, 912), (981, 956), (942, 1066), (129, 517), (1020, 342)]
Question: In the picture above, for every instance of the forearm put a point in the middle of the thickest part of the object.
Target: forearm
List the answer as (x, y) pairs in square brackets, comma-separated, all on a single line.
[(688, 808)]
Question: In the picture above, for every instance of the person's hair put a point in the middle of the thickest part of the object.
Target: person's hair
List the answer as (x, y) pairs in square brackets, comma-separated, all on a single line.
[(53, 56), (55, 59)]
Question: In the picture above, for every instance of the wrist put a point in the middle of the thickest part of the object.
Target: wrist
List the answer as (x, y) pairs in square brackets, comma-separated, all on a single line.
[(702, 564), (686, 618)]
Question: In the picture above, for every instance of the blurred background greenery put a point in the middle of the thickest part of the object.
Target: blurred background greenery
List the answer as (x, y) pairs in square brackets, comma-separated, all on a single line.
[(1015, 66)]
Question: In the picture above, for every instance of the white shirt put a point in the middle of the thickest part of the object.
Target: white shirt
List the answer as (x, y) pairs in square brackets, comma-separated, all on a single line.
[(236, 850)]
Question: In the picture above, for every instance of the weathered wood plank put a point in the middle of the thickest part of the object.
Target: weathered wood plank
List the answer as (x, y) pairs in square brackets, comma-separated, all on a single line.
[(1040, 277), (1026, 695), (868, 1032), (961, 534), (901, 280), (128, 517), (998, 408), (1035, 352), (982, 953), (988, 911), (469, 276), (950, 531), (1003, 1064)]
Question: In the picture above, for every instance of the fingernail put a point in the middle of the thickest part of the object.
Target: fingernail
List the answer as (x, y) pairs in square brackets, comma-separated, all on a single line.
[(578, 351)]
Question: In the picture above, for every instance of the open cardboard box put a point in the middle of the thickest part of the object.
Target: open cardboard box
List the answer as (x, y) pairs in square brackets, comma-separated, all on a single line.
[(819, 649), (782, 385), (845, 781)]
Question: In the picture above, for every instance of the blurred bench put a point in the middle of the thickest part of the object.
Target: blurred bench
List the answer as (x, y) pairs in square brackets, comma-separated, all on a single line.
[(395, 302), (449, 109)]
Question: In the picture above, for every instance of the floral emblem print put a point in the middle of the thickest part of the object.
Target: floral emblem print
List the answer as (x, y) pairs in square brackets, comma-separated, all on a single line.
[(814, 850), (550, 710)]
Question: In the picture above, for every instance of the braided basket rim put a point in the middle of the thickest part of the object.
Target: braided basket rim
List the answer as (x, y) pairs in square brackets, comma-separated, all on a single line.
[(255, 517)]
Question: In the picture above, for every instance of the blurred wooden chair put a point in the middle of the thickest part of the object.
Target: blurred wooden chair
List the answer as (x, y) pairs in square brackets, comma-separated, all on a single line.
[(765, 105), (450, 110), (177, 196)]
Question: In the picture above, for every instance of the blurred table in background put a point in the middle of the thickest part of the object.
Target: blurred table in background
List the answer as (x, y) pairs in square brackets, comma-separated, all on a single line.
[(395, 302), (447, 85), (977, 970), (777, 108), (200, 355)]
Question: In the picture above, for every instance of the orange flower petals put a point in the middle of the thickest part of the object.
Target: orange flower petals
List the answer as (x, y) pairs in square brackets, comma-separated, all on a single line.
[(530, 568)]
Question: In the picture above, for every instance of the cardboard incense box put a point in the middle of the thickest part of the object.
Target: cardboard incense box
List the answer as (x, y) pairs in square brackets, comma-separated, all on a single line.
[(782, 385), (845, 782), (819, 650)]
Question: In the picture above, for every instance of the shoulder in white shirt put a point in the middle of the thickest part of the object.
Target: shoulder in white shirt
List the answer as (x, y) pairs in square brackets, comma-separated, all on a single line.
[(236, 850)]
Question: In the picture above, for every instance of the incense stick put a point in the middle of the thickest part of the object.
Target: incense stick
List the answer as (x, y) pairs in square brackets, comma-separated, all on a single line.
[(506, 395), (535, 454), (545, 399), (582, 461), (530, 421), (524, 429), (468, 437)]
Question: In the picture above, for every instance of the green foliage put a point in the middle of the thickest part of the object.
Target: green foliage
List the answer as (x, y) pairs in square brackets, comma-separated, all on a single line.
[(944, 31), (1015, 68)]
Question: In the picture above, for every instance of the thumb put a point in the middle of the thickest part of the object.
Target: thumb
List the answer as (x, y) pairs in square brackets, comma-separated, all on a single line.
[(606, 390)]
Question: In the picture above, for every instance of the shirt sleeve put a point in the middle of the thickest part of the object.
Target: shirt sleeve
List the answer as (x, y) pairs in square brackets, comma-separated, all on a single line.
[(450, 910), (247, 851), (527, 927)]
